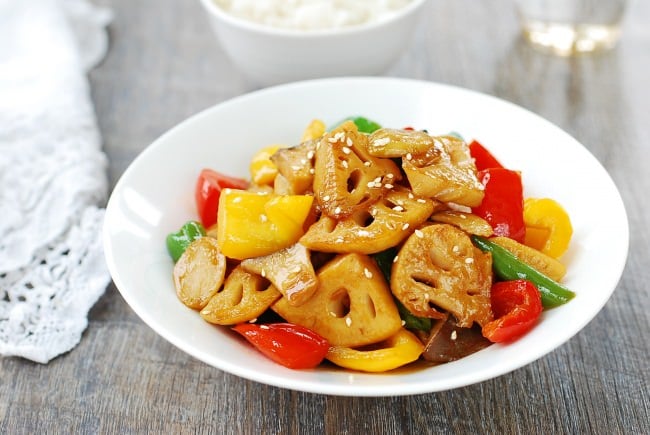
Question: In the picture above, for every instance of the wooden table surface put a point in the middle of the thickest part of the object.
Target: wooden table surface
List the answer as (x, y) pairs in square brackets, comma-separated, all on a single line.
[(165, 65)]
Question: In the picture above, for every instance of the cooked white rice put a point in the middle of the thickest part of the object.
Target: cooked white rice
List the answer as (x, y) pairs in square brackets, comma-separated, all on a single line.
[(312, 14)]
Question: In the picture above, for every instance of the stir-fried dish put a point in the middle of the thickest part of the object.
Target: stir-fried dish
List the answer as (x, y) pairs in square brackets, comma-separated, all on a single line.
[(371, 248)]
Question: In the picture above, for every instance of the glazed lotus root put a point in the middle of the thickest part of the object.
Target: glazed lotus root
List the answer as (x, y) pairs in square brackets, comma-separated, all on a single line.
[(199, 272), (445, 172), (244, 297), (346, 177), (385, 224), (352, 307), (438, 268), (290, 270)]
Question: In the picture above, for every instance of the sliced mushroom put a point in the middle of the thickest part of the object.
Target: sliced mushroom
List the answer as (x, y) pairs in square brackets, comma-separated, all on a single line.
[(468, 222), (352, 307), (296, 167), (439, 270), (290, 270), (348, 179), (390, 143), (445, 172), (199, 272), (448, 342), (385, 224)]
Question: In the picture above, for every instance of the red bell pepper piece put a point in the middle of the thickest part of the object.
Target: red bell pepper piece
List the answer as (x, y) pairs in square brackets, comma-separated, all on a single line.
[(208, 190), (482, 157), (517, 306), (293, 346), (503, 203)]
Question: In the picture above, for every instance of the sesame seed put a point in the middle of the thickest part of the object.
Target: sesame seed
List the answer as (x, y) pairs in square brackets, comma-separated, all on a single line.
[(367, 164), (454, 335), (455, 249), (405, 226), (469, 260), (346, 150), (363, 233), (337, 210), (403, 323), (263, 273), (312, 171), (310, 155), (409, 156), (377, 184), (411, 196), (462, 216), (264, 327), (371, 184), (395, 259), (297, 269), (367, 273), (398, 208), (303, 161), (348, 321), (332, 313), (339, 239), (381, 142), (422, 200), (326, 198), (252, 320), (348, 141), (419, 233), (344, 163), (426, 296), (377, 180), (389, 175), (332, 139), (388, 186)]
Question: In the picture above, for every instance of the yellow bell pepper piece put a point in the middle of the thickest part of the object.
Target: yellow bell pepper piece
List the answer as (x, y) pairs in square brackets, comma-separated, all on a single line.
[(398, 350), (251, 224), (262, 169), (314, 130), (548, 226)]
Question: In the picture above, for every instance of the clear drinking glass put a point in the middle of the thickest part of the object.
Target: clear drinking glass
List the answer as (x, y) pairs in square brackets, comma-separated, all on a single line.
[(567, 27)]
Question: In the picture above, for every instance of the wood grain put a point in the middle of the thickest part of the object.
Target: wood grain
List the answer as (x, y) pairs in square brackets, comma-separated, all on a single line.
[(164, 65)]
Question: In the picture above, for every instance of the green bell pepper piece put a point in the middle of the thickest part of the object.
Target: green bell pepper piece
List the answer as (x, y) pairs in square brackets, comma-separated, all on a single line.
[(178, 242), (507, 267), (384, 260)]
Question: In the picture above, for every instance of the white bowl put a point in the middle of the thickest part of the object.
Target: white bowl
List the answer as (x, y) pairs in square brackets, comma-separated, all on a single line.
[(155, 196), (271, 55)]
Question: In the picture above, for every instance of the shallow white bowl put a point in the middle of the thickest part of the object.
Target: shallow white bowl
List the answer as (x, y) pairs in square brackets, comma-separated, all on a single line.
[(271, 55), (155, 197)]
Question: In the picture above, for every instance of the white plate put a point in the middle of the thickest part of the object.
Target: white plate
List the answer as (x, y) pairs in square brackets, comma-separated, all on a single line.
[(155, 197)]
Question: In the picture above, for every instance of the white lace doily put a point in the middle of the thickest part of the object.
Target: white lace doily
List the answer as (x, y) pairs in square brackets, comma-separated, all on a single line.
[(52, 175)]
